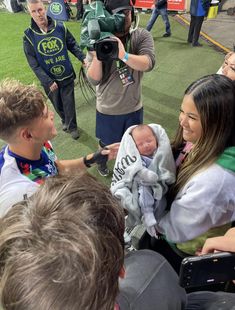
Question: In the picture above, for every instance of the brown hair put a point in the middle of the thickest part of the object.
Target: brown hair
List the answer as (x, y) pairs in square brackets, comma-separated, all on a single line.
[(19, 105), (214, 98), (63, 248)]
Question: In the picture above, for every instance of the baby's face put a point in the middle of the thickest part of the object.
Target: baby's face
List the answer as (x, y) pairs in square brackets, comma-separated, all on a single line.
[(145, 141)]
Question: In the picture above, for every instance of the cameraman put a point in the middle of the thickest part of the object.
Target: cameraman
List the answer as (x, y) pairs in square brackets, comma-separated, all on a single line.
[(119, 104)]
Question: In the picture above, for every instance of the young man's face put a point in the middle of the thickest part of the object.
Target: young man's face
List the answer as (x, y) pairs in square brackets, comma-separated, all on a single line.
[(43, 127), (38, 13)]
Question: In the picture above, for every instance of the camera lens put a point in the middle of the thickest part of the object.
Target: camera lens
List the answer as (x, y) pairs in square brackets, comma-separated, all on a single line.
[(106, 48)]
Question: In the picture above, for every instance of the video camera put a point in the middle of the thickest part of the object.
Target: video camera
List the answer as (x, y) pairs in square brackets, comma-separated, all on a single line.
[(99, 23), (106, 47)]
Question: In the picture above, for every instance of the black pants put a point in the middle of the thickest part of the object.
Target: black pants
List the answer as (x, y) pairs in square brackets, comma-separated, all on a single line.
[(63, 101), (195, 28), (80, 9), (161, 246)]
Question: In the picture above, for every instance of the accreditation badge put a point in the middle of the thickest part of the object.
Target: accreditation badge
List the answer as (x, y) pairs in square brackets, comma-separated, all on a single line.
[(125, 76)]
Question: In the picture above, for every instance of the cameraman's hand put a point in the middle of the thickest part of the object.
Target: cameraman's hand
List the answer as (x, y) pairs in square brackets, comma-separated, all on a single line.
[(136, 62), (121, 48)]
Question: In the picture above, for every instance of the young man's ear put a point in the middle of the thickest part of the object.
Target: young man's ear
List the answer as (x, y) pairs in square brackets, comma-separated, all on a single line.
[(122, 273), (25, 134)]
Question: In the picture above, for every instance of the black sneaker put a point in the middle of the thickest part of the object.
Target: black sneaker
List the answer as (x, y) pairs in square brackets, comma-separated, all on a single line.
[(197, 44), (103, 170), (74, 134), (167, 34), (64, 127)]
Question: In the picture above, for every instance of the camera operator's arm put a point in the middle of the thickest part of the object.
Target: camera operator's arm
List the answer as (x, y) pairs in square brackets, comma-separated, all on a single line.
[(73, 46), (94, 68), (223, 243), (136, 62)]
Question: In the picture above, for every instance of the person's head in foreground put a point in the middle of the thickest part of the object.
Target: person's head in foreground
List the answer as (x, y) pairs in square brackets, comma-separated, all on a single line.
[(24, 115), (228, 67), (62, 248), (207, 120), (145, 139)]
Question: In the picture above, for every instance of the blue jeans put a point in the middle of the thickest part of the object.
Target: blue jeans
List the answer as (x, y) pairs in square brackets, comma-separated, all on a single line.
[(155, 13)]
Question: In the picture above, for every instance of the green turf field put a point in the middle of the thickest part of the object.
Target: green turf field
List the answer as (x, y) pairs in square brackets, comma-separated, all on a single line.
[(177, 65)]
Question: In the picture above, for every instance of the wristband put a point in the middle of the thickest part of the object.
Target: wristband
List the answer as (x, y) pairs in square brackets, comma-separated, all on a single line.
[(86, 162), (125, 58), (97, 158)]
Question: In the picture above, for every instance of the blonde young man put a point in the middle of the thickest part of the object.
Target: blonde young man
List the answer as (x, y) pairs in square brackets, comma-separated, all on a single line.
[(27, 126), (46, 44)]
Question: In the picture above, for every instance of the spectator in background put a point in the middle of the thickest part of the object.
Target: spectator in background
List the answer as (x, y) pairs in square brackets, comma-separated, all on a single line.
[(27, 125), (198, 11), (228, 67), (118, 83), (160, 8), (63, 249), (46, 45)]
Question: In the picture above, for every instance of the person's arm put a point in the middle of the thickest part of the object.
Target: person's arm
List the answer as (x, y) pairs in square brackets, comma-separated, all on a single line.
[(136, 62), (222, 243), (94, 68), (73, 46), (201, 206), (73, 165), (34, 64)]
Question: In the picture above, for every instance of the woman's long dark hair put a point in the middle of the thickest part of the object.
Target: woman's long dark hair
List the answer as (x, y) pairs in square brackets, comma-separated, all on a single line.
[(214, 98)]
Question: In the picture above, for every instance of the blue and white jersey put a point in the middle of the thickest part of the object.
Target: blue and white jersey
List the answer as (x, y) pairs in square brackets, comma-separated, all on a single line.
[(20, 177)]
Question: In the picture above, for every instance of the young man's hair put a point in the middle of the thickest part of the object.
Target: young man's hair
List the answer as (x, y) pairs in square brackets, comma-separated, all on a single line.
[(34, 1), (63, 248), (214, 98), (19, 105)]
